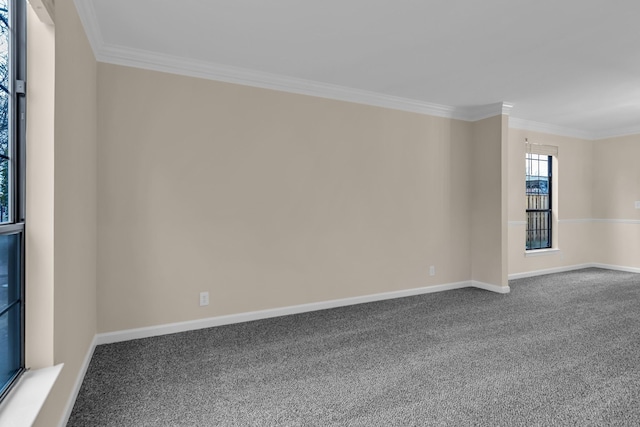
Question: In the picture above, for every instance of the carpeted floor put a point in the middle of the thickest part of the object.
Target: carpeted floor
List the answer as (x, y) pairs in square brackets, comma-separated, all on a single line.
[(560, 349)]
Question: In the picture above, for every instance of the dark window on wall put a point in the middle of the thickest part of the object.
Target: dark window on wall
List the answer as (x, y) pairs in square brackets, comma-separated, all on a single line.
[(538, 193), (12, 169)]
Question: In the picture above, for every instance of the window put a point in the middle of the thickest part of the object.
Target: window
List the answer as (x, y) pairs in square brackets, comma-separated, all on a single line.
[(539, 201), (12, 150)]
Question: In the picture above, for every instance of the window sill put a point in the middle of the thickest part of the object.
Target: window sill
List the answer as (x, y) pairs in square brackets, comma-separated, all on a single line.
[(542, 252), (21, 406)]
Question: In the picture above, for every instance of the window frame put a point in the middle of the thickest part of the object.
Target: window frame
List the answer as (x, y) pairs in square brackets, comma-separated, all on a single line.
[(17, 152), (549, 210)]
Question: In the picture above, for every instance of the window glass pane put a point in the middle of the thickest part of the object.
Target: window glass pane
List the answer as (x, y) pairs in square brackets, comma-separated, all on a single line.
[(4, 188), (10, 307), (10, 283), (12, 57), (538, 201), (5, 146), (10, 346), (538, 230)]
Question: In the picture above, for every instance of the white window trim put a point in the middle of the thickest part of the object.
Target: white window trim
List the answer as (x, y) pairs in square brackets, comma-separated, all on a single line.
[(542, 252), (22, 405)]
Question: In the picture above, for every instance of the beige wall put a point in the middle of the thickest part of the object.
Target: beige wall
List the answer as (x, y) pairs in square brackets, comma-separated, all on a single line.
[(574, 185), (268, 199), (488, 202), (616, 188), (75, 205), (598, 183), (39, 232)]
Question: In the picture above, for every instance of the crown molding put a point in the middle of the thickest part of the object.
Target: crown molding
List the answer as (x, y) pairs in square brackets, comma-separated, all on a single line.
[(480, 112), (517, 123), (89, 20), (44, 10), (506, 108), (125, 56), (614, 133), (137, 58)]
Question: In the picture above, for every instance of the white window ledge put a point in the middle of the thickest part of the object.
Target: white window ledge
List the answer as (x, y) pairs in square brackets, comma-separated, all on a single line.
[(542, 252), (20, 408)]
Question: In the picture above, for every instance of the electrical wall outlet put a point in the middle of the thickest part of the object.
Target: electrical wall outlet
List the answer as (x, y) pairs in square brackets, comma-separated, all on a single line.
[(637, 204), (432, 270), (204, 299)]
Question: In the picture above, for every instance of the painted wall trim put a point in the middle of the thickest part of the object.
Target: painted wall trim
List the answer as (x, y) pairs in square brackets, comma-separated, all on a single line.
[(542, 252), (617, 267), (137, 58), (44, 10), (206, 70), (481, 112), (518, 123), (489, 287), (170, 328), (22, 405), (613, 133), (617, 221), (534, 273), (89, 20), (78, 383), (575, 221), (583, 221)]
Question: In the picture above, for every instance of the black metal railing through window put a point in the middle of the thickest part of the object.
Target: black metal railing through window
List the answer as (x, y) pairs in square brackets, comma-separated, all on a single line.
[(539, 208)]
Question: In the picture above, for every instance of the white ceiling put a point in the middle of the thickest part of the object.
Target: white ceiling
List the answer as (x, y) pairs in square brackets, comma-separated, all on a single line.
[(569, 66)]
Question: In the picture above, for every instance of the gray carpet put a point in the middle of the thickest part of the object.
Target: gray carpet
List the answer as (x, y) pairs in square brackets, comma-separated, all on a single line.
[(560, 349)]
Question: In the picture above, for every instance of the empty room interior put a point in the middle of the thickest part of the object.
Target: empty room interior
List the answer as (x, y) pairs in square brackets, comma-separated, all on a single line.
[(263, 172)]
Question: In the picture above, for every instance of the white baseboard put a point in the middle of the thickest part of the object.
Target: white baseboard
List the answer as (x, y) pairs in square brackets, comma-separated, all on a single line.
[(616, 267), (548, 271), (490, 287), (572, 268), (171, 328), (76, 386)]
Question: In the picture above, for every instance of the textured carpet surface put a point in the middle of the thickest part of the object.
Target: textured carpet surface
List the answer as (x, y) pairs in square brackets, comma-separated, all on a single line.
[(560, 349)]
